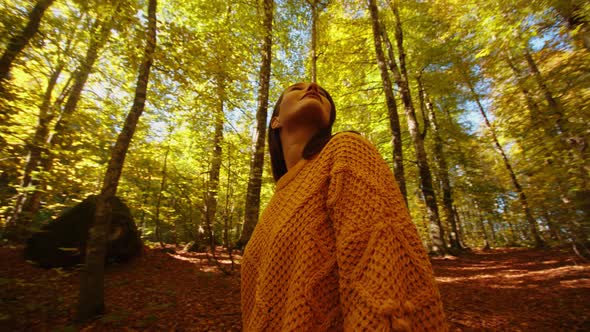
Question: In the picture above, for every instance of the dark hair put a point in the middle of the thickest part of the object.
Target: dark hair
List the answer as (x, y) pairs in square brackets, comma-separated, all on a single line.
[(314, 146)]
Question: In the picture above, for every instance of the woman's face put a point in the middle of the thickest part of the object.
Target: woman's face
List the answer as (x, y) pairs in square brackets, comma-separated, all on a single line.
[(303, 104)]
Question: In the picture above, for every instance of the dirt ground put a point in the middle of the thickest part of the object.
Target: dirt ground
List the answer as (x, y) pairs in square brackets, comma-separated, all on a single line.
[(501, 289)]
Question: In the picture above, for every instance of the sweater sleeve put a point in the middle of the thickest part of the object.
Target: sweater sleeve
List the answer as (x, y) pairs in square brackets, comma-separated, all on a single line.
[(386, 281)]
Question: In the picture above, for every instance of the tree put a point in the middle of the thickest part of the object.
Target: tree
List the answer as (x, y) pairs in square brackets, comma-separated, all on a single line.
[(55, 140), (91, 300), (257, 161), (575, 16), (316, 7), (517, 186), (443, 170), (18, 42), (213, 180), (15, 227), (398, 166), (401, 77)]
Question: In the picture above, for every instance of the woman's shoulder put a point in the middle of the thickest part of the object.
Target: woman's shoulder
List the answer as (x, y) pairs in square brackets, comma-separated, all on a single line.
[(351, 142), (352, 149)]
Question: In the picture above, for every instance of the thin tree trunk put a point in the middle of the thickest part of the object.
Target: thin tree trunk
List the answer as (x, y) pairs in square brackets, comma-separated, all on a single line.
[(575, 21), (18, 42), (176, 227), (144, 205), (252, 207), (531, 104), (35, 150), (159, 199), (215, 165), (436, 230), (576, 145), (37, 146), (91, 300), (443, 169), (554, 104), (398, 165), (314, 38), (482, 226), (553, 227), (459, 228), (80, 77), (32, 202), (227, 197), (521, 195)]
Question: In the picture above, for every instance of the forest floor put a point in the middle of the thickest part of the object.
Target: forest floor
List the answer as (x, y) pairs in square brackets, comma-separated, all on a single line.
[(501, 289)]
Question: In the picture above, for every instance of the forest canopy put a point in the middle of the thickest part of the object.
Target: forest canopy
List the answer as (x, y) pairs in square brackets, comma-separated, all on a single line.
[(480, 107)]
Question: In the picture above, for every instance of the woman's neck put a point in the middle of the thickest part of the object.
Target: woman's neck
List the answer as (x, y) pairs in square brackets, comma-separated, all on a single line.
[(293, 143)]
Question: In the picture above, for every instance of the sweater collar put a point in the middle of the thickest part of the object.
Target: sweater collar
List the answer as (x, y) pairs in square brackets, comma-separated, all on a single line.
[(291, 174)]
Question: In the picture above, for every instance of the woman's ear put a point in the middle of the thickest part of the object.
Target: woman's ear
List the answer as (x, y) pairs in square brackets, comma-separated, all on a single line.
[(274, 122)]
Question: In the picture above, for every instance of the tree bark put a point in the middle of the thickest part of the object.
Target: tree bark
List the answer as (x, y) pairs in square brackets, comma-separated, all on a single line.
[(80, 77), (91, 300), (213, 187), (398, 165), (37, 146), (252, 208), (401, 77), (314, 41), (572, 13), (443, 173), (531, 104), (315, 8), (482, 226), (226, 213), (32, 202), (14, 226), (521, 195), (554, 104), (18, 42), (159, 199)]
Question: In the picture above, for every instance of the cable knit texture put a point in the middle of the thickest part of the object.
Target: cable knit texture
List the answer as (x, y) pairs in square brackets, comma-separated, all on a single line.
[(335, 250)]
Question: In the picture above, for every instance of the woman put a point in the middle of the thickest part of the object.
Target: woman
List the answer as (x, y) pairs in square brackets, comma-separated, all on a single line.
[(335, 248)]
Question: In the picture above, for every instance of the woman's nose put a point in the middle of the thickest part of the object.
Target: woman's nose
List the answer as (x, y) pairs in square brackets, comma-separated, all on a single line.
[(313, 86)]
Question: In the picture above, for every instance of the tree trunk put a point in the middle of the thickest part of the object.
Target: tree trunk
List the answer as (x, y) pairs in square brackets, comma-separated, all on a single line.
[(32, 202), (459, 228), (521, 195), (554, 104), (80, 77), (37, 147), (257, 162), (211, 206), (535, 112), (159, 200), (436, 230), (91, 300), (145, 195), (314, 40), (398, 165), (572, 13), (226, 214), (443, 169), (482, 226), (14, 224), (18, 42)]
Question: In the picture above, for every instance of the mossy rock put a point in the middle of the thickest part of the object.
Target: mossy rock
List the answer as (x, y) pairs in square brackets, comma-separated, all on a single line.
[(62, 242)]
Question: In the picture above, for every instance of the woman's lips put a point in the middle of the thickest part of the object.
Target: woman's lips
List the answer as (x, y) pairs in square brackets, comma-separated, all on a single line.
[(312, 94)]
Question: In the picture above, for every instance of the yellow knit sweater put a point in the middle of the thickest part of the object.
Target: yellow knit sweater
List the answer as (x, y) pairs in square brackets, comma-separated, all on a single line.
[(335, 250)]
